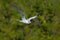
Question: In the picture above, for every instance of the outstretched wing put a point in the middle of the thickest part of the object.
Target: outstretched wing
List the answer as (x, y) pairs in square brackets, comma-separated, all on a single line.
[(32, 17), (19, 11)]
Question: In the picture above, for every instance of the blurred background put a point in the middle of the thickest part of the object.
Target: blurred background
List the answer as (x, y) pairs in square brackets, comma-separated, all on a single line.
[(45, 27)]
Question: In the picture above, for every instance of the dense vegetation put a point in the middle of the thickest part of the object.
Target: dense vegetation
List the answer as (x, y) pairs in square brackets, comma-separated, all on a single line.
[(45, 27)]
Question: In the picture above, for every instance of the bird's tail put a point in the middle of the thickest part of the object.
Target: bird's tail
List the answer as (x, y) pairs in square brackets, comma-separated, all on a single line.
[(18, 10)]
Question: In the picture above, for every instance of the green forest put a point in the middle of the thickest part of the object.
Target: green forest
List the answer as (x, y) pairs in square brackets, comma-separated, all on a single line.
[(45, 27)]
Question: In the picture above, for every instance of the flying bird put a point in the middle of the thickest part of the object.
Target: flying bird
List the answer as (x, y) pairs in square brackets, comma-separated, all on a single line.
[(24, 20)]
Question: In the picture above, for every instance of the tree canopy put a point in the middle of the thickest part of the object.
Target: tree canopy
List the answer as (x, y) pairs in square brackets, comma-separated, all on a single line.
[(45, 27)]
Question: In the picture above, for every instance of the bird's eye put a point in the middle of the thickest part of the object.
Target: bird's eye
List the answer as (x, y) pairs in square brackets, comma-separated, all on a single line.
[(31, 20)]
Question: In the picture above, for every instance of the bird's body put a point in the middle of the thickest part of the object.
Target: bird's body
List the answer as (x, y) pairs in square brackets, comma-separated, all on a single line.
[(24, 20)]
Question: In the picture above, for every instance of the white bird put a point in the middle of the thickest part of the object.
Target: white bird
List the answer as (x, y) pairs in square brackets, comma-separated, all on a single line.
[(24, 20)]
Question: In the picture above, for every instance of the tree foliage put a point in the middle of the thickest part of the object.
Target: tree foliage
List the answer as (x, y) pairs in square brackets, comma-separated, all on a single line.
[(45, 27)]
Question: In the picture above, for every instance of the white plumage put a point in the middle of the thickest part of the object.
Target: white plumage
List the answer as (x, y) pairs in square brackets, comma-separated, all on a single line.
[(24, 20)]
